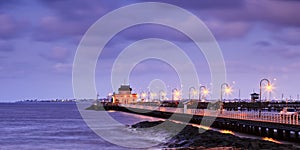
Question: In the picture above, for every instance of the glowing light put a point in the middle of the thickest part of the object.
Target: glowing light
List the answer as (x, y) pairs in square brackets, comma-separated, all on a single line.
[(271, 140), (226, 132), (205, 92), (144, 95), (200, 126), (194, 92), (153, 94), (177, 93), (269, 88), (228, 90)]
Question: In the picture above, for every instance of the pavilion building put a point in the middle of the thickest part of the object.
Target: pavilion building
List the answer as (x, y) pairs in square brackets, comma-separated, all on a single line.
[(124, 95)]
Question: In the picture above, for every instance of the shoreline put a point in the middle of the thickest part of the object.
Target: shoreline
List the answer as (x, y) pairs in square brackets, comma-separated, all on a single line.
[(190, 138)]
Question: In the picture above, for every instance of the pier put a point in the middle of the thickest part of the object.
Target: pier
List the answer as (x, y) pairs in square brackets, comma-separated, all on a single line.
[(264, 124)]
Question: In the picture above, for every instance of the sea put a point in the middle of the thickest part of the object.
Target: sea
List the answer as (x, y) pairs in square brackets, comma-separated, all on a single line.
[(60, 126)]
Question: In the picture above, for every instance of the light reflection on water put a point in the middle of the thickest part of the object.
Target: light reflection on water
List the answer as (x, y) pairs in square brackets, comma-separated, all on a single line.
[(227, 132), (270, 140)]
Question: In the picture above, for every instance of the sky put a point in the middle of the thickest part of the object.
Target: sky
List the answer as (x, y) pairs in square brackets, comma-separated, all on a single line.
[(39, 38)]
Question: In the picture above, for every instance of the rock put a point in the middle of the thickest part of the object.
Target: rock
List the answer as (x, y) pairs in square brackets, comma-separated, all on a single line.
[(190, 138), (146, 124), (182, 143)]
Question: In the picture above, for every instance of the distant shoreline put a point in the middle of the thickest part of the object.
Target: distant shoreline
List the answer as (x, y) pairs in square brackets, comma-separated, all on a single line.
[(38, 102)]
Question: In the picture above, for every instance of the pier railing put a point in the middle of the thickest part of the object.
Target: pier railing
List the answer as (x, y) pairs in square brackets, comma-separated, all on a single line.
[(274, 117)]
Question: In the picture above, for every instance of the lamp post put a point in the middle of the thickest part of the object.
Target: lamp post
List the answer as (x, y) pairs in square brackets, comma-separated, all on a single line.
[(227, 89), (161, 94), (191, 88), (269, 87), (173, 94), (152, 96), (143, 96), (205, 91), (148, 96)]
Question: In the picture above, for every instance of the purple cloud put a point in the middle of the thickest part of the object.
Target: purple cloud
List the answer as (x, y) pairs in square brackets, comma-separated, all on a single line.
[(286, 53), (263, 43), (74, 17), (53, 28), (270, 12), (10, 27), (71, 18), (62, 68), (204, 4), (288, 36), (57, 54), (75, 9), (154, 31), (6, 46), (228, 30)]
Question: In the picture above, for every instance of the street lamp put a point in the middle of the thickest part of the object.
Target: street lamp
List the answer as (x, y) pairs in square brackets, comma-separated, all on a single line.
[(149, 96), (194, 90), (143, 96), (268, 87), (162, 94), (227, 89), (152, 96), (175, 94), (205, 91)]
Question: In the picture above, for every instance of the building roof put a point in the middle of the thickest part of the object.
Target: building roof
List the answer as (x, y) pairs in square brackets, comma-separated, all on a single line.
[(125, 88), (254, 94)]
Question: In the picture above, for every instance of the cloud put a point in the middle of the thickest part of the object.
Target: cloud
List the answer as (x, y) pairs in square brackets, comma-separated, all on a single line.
[(6, 46), (75, 9), (152, 31), (291, 53), (53, 28), (10, 27), (70, 18), (73, 18), (288, 36), (204, 4), (275, 13), (228, 30), (57, 54), (16, 69), (263, 43), (62, 68), (6, 5), (286, 53), (227, 19)]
